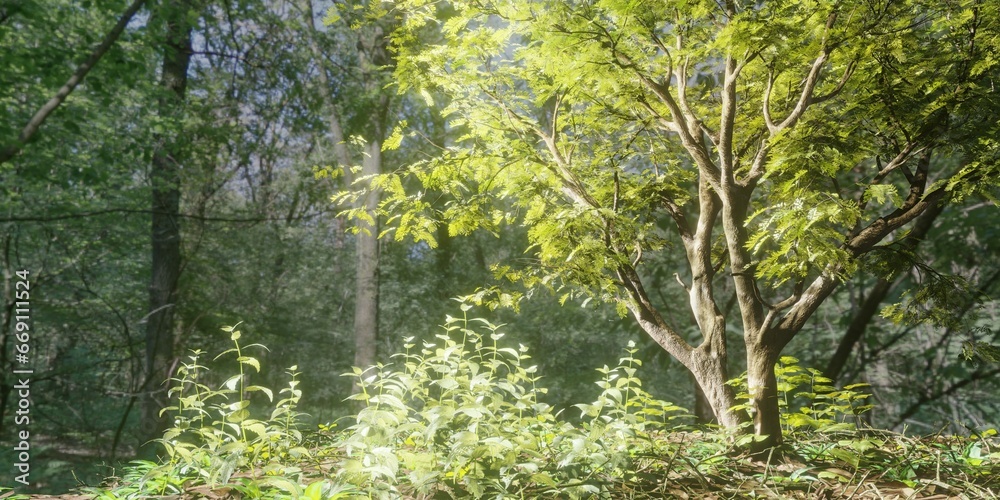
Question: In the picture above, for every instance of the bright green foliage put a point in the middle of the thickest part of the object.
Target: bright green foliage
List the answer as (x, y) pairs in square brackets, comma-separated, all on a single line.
[(463, 415), (808, 401), (977, 352), (461, 418), (560, 118), (772, 145), (216, 440)]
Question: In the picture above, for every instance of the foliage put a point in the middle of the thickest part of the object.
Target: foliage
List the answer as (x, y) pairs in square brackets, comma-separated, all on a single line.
[(777, 143), (216, 440), (977, 352), (261, 241), (461, 417), (808, 400)]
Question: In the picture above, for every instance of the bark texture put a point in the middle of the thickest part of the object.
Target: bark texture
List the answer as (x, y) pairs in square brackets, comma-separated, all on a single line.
[(165, 177)]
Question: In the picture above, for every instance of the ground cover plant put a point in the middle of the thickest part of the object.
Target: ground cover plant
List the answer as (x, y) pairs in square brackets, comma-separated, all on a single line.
[(460, 416), (702, 177)]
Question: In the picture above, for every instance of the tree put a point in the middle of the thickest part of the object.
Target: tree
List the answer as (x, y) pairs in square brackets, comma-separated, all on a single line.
[(778, 146), (73, 198), (36, 121), (366, 37), (165, 178)]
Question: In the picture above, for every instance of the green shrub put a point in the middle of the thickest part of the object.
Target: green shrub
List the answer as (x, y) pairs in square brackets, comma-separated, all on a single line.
[(463, 416), (216, 440), (808, 401)]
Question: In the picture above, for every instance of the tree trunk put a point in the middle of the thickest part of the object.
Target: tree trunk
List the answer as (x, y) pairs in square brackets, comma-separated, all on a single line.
[(711, 373), (763, 389), (5, 326), (367, 275), (703, 411), (373, 57), (856, 330), (166, 236)]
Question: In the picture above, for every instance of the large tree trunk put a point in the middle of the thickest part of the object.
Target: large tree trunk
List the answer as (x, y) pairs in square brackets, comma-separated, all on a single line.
[(763, 389), (166, 236), (711, 373)]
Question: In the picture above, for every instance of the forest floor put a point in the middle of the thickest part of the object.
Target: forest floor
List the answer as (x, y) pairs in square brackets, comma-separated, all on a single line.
[(899, 468)]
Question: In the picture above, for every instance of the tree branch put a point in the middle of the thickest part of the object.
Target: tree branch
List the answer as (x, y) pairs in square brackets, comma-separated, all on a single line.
[(111, 211), (928, 398), (81, 71), (840, 85), (650, 319), (679, 122), (865, 240), (805, 99), (572, 187)]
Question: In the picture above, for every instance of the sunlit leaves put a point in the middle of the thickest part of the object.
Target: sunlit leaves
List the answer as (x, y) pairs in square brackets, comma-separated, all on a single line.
[(808, 401), (940, 299), (463, 413), (594, 124), (801, 237)]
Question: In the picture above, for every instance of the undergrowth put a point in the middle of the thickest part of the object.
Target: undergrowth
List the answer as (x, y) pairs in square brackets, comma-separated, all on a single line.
[(462, 417)]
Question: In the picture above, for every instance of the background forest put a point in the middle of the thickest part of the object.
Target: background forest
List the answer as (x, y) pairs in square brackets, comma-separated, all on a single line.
[(169, 168)]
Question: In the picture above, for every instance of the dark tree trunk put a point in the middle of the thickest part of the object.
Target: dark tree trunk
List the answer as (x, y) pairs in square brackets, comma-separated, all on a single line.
[(5, 326), (870, 305), (856, 330), (165, 177)]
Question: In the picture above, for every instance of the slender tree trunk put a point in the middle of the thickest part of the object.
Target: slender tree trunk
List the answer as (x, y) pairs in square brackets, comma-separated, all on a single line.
[(856, 330), (5, 324), (166, 236), (445, 253), (367, 272), (372, 56)]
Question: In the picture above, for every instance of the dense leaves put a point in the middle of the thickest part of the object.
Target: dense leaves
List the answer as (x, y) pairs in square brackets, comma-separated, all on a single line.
[(779, 142), (461, 418), (539, 156)]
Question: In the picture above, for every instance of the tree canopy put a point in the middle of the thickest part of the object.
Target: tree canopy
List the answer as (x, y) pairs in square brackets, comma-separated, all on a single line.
[(777, 145)]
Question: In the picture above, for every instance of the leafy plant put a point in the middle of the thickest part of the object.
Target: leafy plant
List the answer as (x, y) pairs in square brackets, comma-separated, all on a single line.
[(216, 440), (807, 400), (463, 416)]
